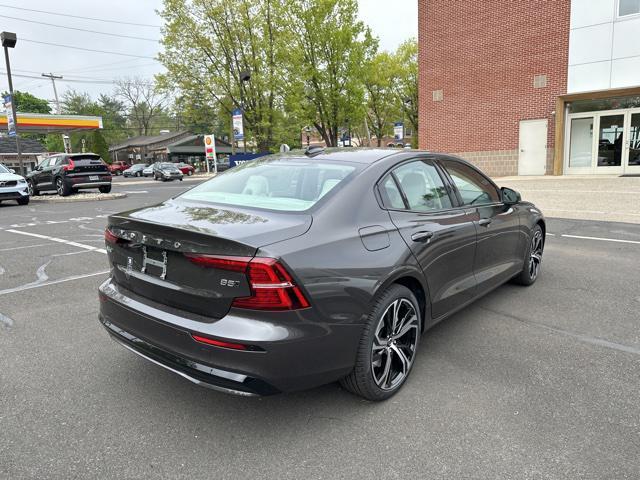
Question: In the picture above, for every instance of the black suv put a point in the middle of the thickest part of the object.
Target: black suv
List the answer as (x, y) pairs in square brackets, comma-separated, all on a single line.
[(69, 172)]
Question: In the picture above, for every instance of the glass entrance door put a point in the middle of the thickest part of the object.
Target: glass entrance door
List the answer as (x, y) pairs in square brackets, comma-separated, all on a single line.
[(610, 143), (632, 164)]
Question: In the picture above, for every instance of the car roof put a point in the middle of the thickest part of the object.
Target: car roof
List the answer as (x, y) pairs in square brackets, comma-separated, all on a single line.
[(356, 155)]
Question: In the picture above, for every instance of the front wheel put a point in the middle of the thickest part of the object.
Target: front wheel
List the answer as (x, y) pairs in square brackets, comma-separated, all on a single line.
[(190, 172), (533, 258), (105, 189), (388, 346), (32, 189), (23, 201)]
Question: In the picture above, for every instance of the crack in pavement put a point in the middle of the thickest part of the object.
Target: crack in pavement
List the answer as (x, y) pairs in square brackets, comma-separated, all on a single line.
[(601, 342)]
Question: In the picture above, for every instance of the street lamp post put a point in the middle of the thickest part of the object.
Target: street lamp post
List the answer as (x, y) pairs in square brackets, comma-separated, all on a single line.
[(9, 41), (245, 76)]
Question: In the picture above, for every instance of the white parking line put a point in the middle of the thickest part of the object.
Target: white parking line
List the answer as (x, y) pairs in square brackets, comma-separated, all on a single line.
[(52, 282), (615, 240), (59, 240)]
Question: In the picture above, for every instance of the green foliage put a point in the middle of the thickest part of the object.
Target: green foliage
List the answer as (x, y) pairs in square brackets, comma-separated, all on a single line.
[(383, 109), (328, 52), (406, 84), (27, 103)]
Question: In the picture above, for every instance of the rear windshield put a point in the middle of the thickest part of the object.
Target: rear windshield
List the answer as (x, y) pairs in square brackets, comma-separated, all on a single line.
[(168, 165), (80, 158), (276, 184)]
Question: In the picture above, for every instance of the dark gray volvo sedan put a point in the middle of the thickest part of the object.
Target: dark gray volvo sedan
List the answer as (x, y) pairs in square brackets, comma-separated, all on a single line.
[(292, 271)]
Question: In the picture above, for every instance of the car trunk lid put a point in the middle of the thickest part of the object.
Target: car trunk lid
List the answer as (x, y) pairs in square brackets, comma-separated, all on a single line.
[(154, 254)]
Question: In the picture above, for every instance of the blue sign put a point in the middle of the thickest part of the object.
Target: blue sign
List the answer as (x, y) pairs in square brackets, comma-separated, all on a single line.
[(239, 159), (398, 131), (11, 122)]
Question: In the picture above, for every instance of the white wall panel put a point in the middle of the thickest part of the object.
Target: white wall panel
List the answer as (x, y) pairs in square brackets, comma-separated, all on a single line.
[(625, 72), (590, 76), (590, 44), (591, 12), (626, 41)]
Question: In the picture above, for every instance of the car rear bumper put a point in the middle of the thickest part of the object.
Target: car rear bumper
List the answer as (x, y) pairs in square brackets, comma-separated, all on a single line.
[(290, 352)]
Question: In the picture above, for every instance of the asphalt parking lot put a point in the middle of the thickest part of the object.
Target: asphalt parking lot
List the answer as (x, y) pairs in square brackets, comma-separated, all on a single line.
[(539, 382)]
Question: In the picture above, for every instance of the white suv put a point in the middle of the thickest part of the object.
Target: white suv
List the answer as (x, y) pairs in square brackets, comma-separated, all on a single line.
[(13, 187)]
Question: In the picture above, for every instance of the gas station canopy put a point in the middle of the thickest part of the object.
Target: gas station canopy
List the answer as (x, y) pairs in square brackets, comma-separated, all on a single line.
[(43, 123)]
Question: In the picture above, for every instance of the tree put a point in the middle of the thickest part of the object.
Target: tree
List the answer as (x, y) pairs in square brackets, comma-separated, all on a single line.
[(144, 100), (328, 51), (406, 84), (27, 103), (210, 44), (382, 107)]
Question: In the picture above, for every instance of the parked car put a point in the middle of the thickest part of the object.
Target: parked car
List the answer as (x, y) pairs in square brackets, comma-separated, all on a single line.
[(166, 172), (118, 168), (186, 169), (13, 187), (68, 173), (289, 272), (148, 171), (135, 170)]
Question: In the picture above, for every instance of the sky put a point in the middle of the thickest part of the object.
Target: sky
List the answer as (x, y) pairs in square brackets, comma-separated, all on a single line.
[(94, 72)]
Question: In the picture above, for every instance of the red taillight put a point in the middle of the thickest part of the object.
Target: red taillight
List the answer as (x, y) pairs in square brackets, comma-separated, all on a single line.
[(272, 288), (219, 343), (110, 237), (69, 167)]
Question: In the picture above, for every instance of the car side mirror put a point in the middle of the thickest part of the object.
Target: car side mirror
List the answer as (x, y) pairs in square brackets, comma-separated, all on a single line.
[(509, 196), (11, 170)]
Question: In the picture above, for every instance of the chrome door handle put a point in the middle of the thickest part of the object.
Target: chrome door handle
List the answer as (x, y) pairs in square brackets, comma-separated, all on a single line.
[(422, 236), (484, 222)]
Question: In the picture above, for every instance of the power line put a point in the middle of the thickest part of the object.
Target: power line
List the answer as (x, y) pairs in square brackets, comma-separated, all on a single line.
[(80, 29), (78, 16), (73, 80), (86, 49)]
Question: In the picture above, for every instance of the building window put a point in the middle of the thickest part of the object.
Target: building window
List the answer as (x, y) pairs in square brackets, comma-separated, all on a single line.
[(628, 7)]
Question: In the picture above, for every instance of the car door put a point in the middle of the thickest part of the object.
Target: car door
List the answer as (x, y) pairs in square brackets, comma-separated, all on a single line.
[(43, 175), (498, 226), (441, 235)]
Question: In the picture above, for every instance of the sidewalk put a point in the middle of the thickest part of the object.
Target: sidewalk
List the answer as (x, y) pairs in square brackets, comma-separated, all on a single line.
[(602, 198)]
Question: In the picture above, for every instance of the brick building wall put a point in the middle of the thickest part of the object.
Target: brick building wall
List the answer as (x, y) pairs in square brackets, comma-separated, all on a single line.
[(478, 62)]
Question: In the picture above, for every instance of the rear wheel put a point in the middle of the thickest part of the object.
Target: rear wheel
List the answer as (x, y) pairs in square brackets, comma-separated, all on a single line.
[(388, 346), (23, 201), (138, 174), (189, 172), (62, 188), (533, 259), (105, 189)]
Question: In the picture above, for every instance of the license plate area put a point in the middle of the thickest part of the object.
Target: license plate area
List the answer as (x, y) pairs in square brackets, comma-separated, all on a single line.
[(154, 262), (94, 178)]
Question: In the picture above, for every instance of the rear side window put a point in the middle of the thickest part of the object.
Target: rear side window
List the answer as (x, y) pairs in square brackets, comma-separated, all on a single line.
[(422, 186), (391, 196), (276, 184), (474, 188)]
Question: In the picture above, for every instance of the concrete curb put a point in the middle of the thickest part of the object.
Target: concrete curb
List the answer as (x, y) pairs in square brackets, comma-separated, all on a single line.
[(77, 198), (151, 181)]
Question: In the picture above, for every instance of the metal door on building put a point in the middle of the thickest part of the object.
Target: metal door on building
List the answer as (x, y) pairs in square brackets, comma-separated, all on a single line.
[(532, 156)]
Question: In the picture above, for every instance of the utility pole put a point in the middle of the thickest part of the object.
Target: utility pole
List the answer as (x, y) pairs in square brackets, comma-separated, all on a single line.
[(9, 41), (55, 91)]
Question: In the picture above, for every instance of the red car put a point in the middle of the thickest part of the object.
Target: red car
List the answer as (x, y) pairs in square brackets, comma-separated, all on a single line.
[(116, 168), (186, 169)]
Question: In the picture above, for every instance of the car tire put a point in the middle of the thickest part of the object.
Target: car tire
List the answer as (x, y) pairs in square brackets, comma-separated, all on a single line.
[(383, 363), (533, 258), (23, 201), (33, 191), (189, 172), (62, 188), (138, 174), (105, 189)]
